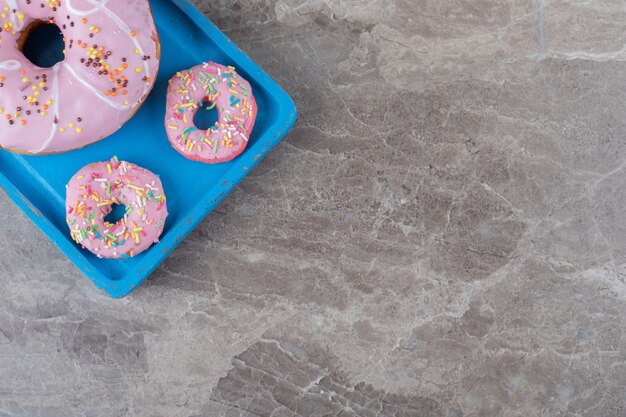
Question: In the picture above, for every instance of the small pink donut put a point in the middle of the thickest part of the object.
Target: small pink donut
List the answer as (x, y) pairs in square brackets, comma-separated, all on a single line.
[(223, 88), (91, 194)]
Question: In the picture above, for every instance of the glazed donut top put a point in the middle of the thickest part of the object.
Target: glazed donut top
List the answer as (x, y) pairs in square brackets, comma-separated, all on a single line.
[(111, 62)]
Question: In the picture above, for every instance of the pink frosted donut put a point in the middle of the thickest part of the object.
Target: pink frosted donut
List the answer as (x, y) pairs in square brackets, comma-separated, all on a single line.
[(111, 62), (222, 88), (91, 194)]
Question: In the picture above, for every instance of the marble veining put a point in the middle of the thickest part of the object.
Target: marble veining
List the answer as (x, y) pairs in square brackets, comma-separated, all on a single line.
[(442, 234)]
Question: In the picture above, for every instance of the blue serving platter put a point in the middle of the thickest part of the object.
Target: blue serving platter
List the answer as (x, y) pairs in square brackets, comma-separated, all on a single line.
[(37, 183)]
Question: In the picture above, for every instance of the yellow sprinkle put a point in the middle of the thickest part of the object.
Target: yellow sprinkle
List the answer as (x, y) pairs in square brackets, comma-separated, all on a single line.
[(79, 130), (170, 126), (138, 69), (62, 129), (43, 113), (71, 125), (1, 110), (109, 168), (25, 80), (126, 102)]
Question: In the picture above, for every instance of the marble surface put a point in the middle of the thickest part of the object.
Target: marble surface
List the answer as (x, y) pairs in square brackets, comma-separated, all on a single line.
[(441, 235)]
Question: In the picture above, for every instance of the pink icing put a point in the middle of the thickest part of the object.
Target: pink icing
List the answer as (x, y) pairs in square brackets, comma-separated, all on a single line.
[(78, 101), (90, 196), (237, 110)]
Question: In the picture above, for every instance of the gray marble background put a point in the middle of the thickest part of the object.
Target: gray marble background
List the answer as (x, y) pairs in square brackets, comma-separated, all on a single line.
[(442, 234)]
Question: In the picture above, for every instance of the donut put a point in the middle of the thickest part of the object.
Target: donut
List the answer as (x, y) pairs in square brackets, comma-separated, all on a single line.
[(112, 55), (223, 89), (91, 194)]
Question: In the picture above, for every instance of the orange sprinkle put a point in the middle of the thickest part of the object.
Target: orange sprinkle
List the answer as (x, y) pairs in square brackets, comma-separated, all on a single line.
[(124, 92), (23, 122), (107, 92), (23, 72), (84, 20), (133, 33), (125, 65), (114, 93)]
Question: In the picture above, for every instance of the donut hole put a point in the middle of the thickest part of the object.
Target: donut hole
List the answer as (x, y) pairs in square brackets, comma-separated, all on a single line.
[(117, 213), (205, 116), (42, 44)]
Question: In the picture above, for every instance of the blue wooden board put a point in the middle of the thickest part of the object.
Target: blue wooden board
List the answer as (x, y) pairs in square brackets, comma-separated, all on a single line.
[(37, 183)]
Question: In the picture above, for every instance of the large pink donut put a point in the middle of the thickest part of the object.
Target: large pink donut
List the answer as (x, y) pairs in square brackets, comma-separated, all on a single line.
[(225, 90), (90, 196), (111, 62)]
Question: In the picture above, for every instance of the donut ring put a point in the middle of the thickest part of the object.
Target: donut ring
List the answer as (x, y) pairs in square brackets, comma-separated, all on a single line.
[(237, 110), (90, 196), (111, 61)]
